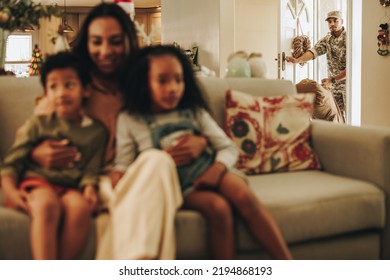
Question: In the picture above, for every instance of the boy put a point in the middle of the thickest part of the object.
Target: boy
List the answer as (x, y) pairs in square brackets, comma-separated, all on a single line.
[(59, 201)]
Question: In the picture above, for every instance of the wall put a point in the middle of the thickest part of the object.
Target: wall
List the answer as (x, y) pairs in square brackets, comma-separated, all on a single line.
[(256, 30), (221, 27), (190, 23), (375, 82)]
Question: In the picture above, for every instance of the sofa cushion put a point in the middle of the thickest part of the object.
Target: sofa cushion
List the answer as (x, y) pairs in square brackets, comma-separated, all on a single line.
[(191, 235), (310, 205), (15, 237), (272, 133), (17, 104)]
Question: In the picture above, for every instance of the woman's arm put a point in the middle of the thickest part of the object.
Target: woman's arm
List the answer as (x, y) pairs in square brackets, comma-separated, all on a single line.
[(55, 154)]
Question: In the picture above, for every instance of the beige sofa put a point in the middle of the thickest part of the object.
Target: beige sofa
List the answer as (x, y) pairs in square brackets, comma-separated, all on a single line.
[(341, 212)]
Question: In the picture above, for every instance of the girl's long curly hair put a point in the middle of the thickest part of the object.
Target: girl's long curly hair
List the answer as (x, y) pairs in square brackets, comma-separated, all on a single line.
[(135, 81)]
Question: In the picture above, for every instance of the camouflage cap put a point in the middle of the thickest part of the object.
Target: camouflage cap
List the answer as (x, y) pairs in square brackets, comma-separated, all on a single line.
[(334, 14)]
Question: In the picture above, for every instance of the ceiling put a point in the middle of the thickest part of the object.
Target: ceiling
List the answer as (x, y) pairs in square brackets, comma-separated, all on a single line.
[(89, 3)]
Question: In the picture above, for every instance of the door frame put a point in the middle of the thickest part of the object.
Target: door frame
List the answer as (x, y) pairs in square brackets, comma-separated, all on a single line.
[(354, 54)]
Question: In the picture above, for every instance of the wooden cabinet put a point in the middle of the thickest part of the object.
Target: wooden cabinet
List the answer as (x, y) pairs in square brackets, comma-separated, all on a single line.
[(149, 19)]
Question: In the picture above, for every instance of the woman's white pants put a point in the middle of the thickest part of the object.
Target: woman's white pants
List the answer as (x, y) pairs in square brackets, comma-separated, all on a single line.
[(142, 209)]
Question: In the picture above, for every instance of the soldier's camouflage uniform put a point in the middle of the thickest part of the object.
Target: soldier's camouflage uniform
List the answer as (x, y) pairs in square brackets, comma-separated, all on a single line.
[(335, 49)]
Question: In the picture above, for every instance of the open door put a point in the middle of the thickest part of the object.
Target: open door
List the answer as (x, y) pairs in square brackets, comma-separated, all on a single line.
[(296, 17)]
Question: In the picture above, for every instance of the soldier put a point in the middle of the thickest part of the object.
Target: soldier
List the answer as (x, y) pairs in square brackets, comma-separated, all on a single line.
[(334, 46)]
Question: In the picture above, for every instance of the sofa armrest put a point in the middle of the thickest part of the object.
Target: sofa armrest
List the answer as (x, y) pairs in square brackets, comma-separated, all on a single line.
[(357, 152)]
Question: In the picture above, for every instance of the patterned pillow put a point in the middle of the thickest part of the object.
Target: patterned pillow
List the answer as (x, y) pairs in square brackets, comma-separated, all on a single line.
[(272, 133)]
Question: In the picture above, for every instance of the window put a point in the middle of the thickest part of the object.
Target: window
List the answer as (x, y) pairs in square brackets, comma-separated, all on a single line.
[(18, 54)]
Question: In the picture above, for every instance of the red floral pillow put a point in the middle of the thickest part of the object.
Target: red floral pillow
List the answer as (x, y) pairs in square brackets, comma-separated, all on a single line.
[(272, 133)]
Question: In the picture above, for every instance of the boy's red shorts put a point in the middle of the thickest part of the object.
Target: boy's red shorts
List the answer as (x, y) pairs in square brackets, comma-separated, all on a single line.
[(31, 183)]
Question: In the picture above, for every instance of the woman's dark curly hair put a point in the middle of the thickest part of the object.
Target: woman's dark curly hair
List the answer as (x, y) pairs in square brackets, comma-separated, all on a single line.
[(135, 81), (80, 44)]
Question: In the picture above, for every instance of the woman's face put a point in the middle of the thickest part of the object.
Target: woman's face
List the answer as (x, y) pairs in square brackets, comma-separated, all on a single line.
[(106, 44)]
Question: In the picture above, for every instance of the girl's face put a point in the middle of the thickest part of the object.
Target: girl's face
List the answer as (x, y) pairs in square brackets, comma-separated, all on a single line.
[(106, 44), (166, 83), (65, 91)]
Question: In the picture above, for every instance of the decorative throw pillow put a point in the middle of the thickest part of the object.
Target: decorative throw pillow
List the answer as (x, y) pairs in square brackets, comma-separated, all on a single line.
[(272, 133), (325, 107)]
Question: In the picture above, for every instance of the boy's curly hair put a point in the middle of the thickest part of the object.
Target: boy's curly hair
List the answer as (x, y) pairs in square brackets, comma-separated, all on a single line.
[(63, 60)]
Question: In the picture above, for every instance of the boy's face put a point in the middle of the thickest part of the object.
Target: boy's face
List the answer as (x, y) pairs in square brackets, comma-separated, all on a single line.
[(166, 83), (66, 93)]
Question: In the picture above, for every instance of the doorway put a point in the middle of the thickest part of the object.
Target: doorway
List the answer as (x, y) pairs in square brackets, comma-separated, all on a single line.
[(307, 17)]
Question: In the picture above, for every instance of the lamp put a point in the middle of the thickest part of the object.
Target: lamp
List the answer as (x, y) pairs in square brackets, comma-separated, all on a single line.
[(26, 28), (66, 28)]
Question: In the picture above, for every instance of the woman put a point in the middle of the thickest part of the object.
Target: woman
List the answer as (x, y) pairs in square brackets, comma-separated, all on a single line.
[(142, 206)]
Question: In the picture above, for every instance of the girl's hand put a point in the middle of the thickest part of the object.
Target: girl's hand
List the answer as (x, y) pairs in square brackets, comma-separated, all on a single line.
[(212, 177), (90, 195), (15, 197), (188, 148), (55, 154), (115, 177)]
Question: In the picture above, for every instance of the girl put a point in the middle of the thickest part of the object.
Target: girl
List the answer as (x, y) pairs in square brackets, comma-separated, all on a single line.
[(162, 102)]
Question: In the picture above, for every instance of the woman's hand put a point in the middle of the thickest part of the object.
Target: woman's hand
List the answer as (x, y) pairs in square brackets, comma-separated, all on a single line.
[(187, 148), (115, 177), (91, 196), (15, 197), (55, 154), (212, 177)]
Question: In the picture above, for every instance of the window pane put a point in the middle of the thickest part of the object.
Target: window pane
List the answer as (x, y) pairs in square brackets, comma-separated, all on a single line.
[(20, 69), (19, 48)]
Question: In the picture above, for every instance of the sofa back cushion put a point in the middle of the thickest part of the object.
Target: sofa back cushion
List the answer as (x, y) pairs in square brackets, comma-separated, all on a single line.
[(17, 101)]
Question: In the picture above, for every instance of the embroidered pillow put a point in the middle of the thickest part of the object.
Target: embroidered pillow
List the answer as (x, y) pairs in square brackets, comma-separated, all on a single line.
[(272, 133)]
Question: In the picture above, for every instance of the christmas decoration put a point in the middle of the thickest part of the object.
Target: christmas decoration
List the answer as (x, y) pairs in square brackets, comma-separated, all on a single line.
[(128, 6), (60, 41), (141, 32), (17, 14), (36, 62), (383, 40)]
